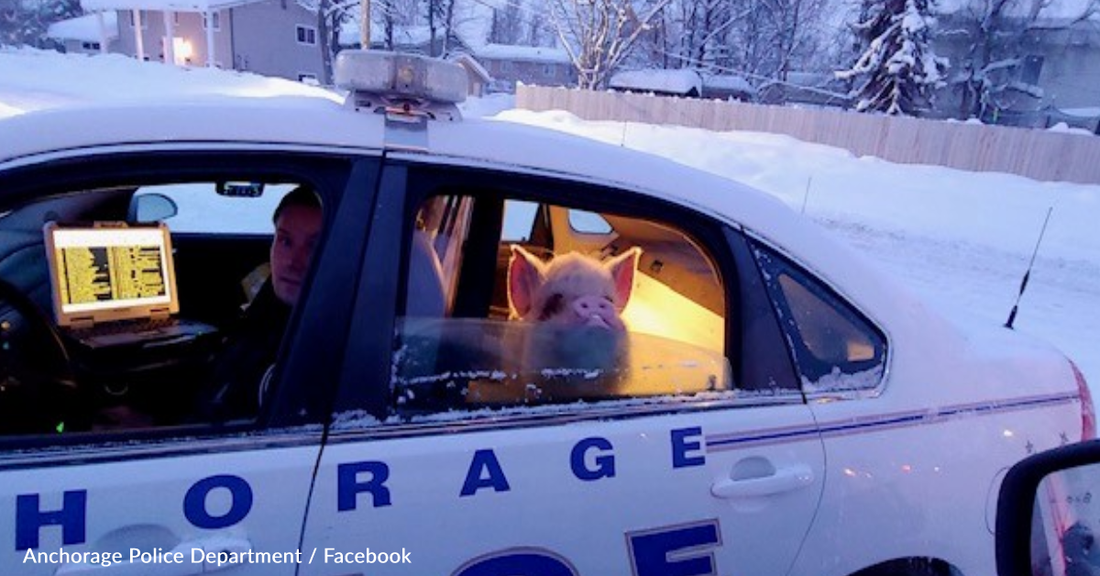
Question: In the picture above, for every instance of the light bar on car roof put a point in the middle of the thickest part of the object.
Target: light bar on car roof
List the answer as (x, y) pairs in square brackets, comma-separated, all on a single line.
[(396, 76)]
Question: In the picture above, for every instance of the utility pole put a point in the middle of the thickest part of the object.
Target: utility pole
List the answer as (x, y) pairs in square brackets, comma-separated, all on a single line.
[(364, 24)]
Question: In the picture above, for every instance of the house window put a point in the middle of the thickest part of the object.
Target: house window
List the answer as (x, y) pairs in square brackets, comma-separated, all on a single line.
[(307, 35), (217, 21), (90, 45), (547, 70), (176, 18), (1029, 73), (144, 19)]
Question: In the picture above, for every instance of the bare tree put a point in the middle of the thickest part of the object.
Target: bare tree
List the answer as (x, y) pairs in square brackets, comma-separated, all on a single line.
[(776, 37), (25, 23), (507, 25), (997, 36), (331, 14), (761, 40), (443, 18), (696, 27), (599, 34), (388, 13)]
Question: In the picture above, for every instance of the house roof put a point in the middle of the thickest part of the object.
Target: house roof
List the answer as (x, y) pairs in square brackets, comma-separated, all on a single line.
[(1061, 11), (84, 28), (164, 5), (522, 53), (728, 82), (679, 81), (471, 63)]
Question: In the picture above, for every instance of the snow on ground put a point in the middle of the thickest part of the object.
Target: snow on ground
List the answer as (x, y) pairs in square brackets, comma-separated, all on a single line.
[(961, 239), (32, 79)]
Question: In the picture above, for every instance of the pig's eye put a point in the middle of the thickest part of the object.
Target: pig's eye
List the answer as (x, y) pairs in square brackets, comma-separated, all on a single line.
[(552, 307)]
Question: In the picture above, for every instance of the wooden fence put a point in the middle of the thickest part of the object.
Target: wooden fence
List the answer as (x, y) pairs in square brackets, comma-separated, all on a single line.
[(1038, 154)]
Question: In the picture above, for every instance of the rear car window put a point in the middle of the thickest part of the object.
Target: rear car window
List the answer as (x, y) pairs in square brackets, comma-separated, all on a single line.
[(835, 347)]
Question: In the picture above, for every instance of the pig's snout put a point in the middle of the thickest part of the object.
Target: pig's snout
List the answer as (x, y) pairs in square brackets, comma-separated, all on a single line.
[(596, 311)]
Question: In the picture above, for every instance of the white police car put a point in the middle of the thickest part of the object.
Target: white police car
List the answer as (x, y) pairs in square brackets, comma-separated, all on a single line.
[(777, 406)]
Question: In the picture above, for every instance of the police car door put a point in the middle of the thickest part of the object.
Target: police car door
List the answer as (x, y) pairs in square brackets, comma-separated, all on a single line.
[(449, 455), (115, 467)]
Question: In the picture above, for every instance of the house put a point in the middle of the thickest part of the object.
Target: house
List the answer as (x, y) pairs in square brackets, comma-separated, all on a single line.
[(271, 37), (538, 65), (281, 38), (1052, 76), (84, 35), (684, 82), (476, 74), (727, 87)]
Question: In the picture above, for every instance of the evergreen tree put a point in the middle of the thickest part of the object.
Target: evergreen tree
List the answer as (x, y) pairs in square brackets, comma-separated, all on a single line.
[(898, 70), (24, 23)]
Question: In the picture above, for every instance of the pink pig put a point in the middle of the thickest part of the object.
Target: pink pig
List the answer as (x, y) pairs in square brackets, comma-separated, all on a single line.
[(571, 290)]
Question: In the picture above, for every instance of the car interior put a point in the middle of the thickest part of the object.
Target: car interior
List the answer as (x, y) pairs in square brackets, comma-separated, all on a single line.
[(675, 316), (57, 370), (458, 279)]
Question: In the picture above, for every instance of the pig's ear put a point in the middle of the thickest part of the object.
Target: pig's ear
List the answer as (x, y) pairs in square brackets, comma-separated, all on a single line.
[(525, 274), (622, 269)]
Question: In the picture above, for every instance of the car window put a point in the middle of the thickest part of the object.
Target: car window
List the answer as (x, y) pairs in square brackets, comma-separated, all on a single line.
[(114, 320), (519, 221), (588, 222), (506, 318), (836, 348), (196, 201)]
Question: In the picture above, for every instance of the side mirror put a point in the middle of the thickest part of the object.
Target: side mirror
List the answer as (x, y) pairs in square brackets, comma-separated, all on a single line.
[(152, 207), (1048, 514)]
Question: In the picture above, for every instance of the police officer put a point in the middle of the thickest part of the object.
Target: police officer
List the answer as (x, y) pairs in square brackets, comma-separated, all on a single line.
[(243, 369)]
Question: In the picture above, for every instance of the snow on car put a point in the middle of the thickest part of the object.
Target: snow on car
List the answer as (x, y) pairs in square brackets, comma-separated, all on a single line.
[(492, 349)]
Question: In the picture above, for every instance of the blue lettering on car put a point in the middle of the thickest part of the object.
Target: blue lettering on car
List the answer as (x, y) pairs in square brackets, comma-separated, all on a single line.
[(605, 463), (485, 471), (692, 546), (194, 502), (30, 518), (682, 443), (348, 486), (527, 561), (484, 460)]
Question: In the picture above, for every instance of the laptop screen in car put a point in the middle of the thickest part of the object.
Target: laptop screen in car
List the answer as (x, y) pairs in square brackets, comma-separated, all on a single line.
[(110, 272)]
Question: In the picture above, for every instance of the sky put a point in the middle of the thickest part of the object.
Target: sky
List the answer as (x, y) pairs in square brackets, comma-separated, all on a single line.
[(961, 240)]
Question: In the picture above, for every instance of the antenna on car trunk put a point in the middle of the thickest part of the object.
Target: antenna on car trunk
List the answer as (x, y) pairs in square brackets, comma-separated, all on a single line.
[(1023, 283)]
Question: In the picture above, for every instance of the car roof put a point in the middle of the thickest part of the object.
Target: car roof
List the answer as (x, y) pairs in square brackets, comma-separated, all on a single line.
[(320, 122), (503, 145)]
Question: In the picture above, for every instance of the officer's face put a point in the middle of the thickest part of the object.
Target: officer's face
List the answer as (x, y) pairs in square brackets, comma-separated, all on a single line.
[(296, 232)]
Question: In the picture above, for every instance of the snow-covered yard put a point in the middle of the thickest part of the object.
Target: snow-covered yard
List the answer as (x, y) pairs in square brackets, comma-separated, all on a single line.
[(963, 240)]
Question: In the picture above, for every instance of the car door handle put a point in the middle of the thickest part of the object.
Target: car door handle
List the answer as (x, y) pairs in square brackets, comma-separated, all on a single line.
[(783, 480)]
